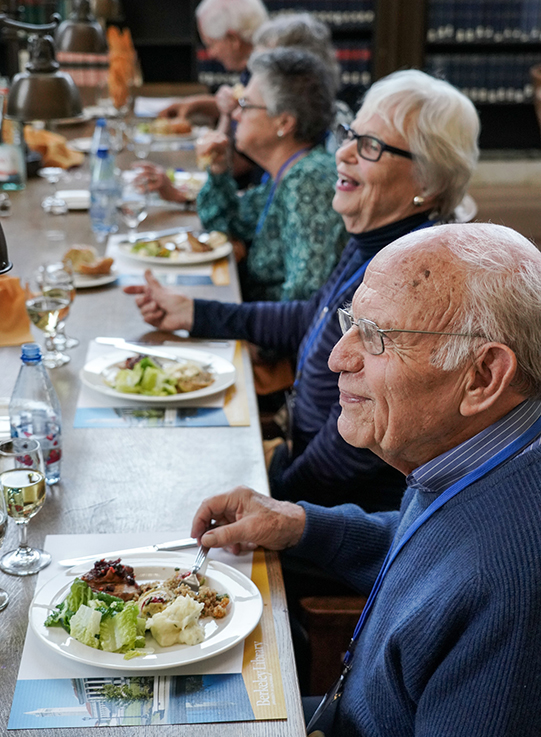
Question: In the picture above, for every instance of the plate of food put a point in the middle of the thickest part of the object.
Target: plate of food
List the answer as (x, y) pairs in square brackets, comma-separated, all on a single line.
[(136, 614), (169, 128), (190, 183), (180, 249), (189, 374), (89, 270)]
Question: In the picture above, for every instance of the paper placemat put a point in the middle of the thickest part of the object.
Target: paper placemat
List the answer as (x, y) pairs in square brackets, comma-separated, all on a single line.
[(228, 408), (242, 684), (131, 270)]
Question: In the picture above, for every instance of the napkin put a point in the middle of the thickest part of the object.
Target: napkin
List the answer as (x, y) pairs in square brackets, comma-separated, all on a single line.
[(122, 65), (52, 147), (15, 323)]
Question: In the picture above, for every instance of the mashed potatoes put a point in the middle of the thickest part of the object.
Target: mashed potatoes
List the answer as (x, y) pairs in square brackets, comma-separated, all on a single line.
[(178, 623)]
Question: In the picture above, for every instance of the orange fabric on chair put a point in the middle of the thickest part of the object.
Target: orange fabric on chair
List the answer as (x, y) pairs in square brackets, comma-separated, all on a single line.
[(14, 320)]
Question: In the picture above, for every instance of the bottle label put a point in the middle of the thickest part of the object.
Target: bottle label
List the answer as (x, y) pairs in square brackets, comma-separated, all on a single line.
[(11, 162)]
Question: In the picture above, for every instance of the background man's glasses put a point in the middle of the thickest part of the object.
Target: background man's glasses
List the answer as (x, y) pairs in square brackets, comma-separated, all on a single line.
[(372, 336), (368, 147)]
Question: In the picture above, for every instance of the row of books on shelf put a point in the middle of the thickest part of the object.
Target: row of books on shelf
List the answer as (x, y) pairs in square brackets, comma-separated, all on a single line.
[(487, 78), (336, 13), (478, 21)]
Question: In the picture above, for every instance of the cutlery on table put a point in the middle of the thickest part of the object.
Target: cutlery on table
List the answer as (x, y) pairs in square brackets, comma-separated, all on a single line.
[(146, 348), (173, 545), (192, 581)]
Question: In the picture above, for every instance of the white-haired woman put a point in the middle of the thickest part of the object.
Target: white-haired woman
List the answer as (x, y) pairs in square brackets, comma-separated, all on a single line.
[(226, 28), (404, 164), (295, 237)]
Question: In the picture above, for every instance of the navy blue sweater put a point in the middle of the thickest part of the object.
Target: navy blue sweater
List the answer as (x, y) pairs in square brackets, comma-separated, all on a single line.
[(323, 468), (452, 646)]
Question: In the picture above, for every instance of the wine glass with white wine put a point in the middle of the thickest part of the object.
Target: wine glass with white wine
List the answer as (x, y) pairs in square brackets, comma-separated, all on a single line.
[(22, 484), (4, 596), (57, 280), (46, 311), (132, 204)]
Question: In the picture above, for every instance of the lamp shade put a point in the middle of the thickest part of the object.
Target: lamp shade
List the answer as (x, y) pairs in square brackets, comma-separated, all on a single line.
[(42, 92), (81, 33), (5, 263)]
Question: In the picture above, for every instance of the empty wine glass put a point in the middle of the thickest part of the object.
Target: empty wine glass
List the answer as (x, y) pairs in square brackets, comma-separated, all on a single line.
[(57, 280), (22, 484), (53, 204), (4, 596), (141, 144), (46, 311), (132, 204)]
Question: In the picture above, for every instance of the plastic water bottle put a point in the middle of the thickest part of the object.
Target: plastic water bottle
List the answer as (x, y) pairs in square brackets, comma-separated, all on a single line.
[(100, 139), (34, 410), (104, 193)]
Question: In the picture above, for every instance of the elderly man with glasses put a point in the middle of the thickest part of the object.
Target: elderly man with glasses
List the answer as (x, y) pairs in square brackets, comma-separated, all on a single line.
[(440, 377)]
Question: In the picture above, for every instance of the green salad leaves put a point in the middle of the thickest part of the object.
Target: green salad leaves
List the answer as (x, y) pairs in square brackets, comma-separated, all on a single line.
[(146, 377), (100, 620)]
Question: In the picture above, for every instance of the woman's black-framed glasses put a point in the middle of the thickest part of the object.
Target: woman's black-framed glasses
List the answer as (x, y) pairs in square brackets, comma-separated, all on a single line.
[(245, 105), (368, 147), (372, 335)]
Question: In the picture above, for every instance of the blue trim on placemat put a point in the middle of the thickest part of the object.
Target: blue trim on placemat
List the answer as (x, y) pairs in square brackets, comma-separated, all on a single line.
[(128, 280), (96, 417)]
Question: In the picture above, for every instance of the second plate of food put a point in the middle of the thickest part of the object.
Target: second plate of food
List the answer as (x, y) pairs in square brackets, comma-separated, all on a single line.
[(180, 249), (192, 375)]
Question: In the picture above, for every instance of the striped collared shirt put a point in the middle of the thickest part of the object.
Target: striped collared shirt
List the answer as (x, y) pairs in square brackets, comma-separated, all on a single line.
[(447, 468)]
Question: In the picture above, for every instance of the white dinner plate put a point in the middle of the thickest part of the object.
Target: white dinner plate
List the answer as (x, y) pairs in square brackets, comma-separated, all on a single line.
[(243, 614), (86, 281), (185, 258), (81, 144), (92, 375)]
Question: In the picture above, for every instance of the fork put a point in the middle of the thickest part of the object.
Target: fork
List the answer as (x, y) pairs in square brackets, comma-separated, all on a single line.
[(192, 581)]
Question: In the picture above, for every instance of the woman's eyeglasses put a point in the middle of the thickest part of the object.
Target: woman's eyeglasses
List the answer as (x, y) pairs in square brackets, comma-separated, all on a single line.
[(245, 105), (368, 147)]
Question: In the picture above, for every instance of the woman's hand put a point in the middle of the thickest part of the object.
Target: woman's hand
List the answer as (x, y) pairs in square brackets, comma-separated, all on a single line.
[(226, 100), (244, 519), (153, 178), (213, 150), (161, 307)]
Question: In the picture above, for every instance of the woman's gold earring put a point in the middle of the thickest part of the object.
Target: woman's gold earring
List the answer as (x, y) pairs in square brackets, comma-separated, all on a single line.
[(418, 201)]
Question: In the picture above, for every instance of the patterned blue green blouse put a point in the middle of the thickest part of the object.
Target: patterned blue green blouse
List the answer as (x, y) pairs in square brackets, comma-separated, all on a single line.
[(301, 237)]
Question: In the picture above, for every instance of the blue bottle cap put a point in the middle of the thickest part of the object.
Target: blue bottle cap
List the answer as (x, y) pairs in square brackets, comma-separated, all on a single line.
[(101, 123), (31, 353), (102, 153)]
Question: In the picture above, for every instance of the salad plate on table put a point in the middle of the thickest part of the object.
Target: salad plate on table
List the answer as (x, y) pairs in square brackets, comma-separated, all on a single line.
[(179, 249), (188, 366), (242, 615)]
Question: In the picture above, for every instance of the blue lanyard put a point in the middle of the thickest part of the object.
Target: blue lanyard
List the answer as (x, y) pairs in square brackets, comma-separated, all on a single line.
[(497, 460), (275, 184)]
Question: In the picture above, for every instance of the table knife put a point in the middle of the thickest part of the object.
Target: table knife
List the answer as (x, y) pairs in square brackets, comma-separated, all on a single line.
[(146, 348), (187, 542)]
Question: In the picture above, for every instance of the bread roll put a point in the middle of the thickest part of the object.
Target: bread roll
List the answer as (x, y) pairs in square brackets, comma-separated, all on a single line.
[(80, 255)]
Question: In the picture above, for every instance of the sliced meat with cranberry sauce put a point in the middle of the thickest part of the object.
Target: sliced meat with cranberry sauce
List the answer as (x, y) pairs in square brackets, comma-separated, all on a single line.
[(112, 577)]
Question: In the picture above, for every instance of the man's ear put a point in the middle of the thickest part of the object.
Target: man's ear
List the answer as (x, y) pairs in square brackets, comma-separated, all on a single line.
[(488, 378)]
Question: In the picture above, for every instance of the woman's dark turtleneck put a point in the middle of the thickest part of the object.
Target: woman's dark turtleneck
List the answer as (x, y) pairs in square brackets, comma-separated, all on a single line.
[(372, 241)]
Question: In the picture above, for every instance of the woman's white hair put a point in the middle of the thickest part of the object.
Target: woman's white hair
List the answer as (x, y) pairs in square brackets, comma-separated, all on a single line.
[(441, 127), (502, 298), (218, 17)]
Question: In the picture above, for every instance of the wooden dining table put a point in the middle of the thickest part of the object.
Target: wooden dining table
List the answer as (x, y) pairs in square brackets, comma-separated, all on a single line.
[(136, 480)]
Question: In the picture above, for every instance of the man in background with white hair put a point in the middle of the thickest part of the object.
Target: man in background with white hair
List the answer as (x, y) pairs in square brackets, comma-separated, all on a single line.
[(440, 377), (226, 27)]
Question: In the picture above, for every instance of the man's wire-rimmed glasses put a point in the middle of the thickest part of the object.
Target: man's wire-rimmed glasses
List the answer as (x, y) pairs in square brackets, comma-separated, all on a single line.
[(368, 147), (372, 335), (245, 105)]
